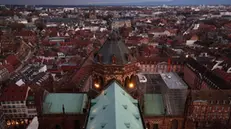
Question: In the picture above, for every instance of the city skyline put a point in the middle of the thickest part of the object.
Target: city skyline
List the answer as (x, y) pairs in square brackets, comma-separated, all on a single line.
[(118, 2)]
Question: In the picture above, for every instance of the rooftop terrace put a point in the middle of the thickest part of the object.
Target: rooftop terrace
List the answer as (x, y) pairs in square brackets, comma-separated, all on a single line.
[(73, 103), (153, 105)]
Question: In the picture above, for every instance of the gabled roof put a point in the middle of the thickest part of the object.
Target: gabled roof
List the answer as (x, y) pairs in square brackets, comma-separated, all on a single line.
[(114, 109), (14, 93), (198, 68)]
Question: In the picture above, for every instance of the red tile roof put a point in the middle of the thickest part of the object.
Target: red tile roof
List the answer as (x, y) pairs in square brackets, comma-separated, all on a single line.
[(152, 59), (226, 76), (81, 73), (227, 26), (13, 60), (207, 27), (157, 30), (14, 93), (26, 33), (9, 67), (81, 43)]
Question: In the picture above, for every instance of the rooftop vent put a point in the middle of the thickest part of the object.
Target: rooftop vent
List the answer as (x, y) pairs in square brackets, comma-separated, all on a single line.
[(137, 116), (168, 76), (104, 107), (93, 102), (103, 125), (125, 106), (105, 93), (92, 117), (127, 125)]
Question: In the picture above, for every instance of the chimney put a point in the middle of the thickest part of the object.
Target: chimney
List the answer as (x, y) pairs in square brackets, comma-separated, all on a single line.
[(63, 109)]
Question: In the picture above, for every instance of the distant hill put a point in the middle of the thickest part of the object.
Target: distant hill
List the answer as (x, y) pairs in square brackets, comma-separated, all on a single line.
[(185, 2), (147, 3)]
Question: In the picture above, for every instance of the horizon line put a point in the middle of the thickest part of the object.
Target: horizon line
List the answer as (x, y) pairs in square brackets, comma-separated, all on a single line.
[(113, 4)]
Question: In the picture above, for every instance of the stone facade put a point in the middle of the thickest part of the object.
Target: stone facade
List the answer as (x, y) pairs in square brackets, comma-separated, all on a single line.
[(62, 121), (164, 122)]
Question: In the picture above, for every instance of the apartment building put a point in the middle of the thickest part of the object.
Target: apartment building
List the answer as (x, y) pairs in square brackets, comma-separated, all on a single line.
[(18, 103), (2, 121)]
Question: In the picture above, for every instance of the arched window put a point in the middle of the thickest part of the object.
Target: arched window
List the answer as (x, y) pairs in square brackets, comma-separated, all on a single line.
[(127, 81), (58, 127), (155, 126), (174, 124), (148, 125)]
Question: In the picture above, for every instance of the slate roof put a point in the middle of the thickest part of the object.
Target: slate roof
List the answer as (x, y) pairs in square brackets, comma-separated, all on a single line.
[(14, 93), (114, 109), (198, 68), (114, 45), (211, 95)]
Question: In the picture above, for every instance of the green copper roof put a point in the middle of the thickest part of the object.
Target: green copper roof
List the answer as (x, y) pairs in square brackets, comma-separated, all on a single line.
[(153, 105), (31, 98), (73, 103), (114, 109)]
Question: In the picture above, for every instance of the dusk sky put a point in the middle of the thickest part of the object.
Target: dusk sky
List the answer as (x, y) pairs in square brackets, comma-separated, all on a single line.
[(86, 2), (70, 2)]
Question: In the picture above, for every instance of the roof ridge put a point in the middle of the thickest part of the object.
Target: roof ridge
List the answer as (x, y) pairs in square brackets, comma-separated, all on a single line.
[(115, 102)]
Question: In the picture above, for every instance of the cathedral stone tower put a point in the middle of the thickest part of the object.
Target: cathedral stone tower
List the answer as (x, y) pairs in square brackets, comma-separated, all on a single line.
[(114, 61)]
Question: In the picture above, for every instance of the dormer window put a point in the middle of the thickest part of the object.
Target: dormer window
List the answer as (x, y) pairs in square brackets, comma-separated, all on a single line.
[(127, 57), (113, 59), (211, 102), (224, 101), (99, 58), (92, 117)]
